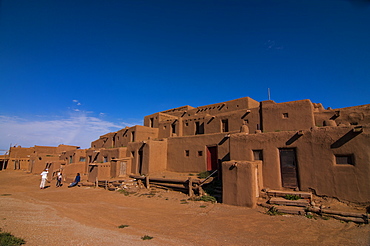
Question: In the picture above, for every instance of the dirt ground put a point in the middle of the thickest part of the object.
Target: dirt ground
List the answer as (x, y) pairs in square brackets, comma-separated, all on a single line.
[(91, 216)]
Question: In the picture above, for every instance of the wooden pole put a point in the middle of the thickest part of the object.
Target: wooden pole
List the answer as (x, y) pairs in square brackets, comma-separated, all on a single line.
[(147, 182), (190, 187)]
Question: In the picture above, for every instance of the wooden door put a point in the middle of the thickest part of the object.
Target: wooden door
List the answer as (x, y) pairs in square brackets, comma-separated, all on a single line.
[(212, 159), (122, 168), (288, 167)]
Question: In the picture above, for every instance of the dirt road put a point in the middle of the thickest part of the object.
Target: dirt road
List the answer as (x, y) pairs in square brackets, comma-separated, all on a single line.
[(91, 216)]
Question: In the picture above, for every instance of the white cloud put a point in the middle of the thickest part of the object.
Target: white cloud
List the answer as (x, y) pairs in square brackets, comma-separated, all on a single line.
[(271, 44), (78, 130)]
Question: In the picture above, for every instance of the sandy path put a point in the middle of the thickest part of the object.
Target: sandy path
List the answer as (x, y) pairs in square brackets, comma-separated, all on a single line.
[(89, 216)]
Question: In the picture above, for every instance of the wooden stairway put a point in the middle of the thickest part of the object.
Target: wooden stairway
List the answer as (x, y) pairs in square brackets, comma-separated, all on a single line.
[(277, 199)]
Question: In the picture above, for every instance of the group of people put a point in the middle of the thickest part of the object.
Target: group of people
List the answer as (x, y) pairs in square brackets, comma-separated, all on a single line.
[(59, 177)]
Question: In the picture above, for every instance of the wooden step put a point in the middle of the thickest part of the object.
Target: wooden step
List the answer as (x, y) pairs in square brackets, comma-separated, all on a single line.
[(284, 202), (285, 209), (291, 210), (282, 193)]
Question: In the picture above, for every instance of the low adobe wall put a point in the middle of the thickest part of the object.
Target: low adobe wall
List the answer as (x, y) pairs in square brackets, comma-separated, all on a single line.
[(241, 183), (69, 171)]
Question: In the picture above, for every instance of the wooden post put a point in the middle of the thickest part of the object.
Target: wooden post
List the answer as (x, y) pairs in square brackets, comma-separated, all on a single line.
[(190, 186), (147, 182)]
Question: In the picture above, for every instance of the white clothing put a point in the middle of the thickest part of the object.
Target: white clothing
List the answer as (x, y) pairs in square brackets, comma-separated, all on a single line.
[(44, 176)]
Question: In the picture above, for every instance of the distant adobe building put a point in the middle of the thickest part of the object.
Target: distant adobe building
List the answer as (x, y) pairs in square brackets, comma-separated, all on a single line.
[(254, 145)]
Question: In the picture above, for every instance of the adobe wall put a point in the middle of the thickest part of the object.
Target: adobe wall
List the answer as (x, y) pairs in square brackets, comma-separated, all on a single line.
[(358, 115), (93, 156), (347, 182), (240, 183), (157, 120), (287, 116), (19, 152), (104, 141), (177, 146), (133, 150), (136, 133), (117, 165), (121, 137), (143, 133), (69, 172), (39, 162), (155, 157), (18, 158), (178, 112), (63, 147), (224, 107), (73, 156), (242, 146), (315, 151)]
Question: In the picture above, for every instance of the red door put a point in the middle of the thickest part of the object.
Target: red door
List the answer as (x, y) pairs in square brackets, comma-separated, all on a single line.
[(212, 158)]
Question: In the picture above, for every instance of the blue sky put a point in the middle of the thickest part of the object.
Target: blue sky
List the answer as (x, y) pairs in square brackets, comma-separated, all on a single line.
[(73, 70)]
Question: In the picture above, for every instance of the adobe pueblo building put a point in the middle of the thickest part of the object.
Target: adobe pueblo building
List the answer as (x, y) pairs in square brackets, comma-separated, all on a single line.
[(254, 146)]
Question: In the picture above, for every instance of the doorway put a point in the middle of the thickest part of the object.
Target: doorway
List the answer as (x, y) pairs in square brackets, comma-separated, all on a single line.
[(288, 168), (212, 158), (140, 162), (122, 169)]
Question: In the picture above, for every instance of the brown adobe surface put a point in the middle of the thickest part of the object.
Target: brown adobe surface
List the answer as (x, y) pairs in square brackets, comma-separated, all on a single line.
[(91, 216)]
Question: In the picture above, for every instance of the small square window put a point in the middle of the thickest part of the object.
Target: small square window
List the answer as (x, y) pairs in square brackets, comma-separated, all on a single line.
[(187, 153), (285, 115), (258, 155), (344, 159), (200, 153)]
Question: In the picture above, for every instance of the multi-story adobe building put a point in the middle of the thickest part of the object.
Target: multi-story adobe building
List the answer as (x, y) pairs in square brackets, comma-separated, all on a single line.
[(292, 145), (254, 145), (35, 159)]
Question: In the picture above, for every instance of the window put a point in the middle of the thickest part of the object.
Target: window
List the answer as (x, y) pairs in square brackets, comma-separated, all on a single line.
[(173, 126), (258, 155), (151, 122), (285, 115), (225, 125), (82, 159), (344, 159), (105, 159), (200, 153), (187, 153), (70, 159), (199, 128), (132, 136)]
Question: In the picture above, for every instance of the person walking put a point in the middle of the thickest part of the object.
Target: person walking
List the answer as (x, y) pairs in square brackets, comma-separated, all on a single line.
[(59, 179), (44, 177)]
